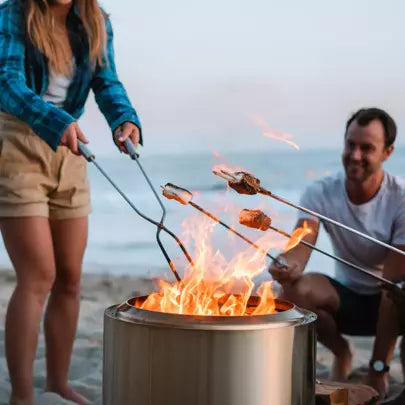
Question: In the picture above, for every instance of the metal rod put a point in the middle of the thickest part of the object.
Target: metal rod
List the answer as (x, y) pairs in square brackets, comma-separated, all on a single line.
[(231, 178), (214, 218), (158, 224), (339, 224), (90, 157), (337, 258), (134, 156)]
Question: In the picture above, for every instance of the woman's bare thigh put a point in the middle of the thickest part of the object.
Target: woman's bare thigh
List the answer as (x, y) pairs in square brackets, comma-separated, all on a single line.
[(28, 242)]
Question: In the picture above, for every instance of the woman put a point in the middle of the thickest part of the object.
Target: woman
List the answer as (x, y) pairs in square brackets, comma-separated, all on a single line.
[(52, 52)]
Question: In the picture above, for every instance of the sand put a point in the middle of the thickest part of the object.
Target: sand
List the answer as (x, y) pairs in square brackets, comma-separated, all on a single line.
[(98, 293)]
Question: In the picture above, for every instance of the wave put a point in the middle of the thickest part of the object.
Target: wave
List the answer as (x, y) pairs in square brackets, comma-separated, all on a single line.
[(126, 245)]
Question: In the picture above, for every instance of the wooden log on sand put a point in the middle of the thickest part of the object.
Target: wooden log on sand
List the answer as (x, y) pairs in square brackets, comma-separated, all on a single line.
[(336, 393)]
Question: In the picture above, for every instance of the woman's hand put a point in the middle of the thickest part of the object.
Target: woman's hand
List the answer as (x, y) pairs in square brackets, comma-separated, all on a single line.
[(124, 131), (71, 135)]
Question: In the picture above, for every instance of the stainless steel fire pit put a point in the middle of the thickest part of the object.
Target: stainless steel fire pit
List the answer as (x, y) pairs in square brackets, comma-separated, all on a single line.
[(154, 358)]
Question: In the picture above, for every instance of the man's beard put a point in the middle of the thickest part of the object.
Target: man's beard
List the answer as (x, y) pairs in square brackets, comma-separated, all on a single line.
[(365, 172)]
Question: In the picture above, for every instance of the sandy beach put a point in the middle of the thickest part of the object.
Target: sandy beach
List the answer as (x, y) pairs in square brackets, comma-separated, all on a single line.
[(99, 291)]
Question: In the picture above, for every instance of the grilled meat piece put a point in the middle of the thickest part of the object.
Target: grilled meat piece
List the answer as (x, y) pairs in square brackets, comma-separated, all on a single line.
[(244, 183), (173, 192), (254, 219)]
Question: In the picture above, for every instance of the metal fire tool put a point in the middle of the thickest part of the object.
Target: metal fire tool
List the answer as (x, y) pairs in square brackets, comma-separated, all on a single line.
[(90, 157), (135, 156), (337, 258), (183, 196), (246, 183)]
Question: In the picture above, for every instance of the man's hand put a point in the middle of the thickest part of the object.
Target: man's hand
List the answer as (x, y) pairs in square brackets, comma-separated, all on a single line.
[(124, 131), (286, 275), (379, 381), (71, 135)]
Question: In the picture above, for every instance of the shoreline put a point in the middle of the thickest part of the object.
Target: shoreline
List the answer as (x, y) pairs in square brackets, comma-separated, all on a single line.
[(99, 291)]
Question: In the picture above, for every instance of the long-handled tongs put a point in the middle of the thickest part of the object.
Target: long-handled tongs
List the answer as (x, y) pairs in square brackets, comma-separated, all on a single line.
[(267, 220), (246, 183), (184, 197), (90, 157)]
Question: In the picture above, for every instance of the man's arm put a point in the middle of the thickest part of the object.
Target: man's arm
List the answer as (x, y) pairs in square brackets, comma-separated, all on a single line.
[(296, 258), (387, 324)]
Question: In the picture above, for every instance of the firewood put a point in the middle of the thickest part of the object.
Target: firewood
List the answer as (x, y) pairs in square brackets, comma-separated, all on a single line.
[(336, 393)]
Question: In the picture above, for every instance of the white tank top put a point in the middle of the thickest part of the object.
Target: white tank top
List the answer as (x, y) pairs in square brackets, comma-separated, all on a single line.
[(57, 88)]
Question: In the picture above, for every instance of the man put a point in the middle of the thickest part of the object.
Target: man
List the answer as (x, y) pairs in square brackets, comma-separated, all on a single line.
[(368, 199)]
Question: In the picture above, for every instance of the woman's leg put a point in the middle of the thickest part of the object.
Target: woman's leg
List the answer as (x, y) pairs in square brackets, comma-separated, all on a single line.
[(29, 244), (69, 240)]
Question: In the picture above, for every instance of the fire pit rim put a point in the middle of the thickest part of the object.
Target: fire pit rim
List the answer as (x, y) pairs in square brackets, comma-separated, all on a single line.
[(290, 315)]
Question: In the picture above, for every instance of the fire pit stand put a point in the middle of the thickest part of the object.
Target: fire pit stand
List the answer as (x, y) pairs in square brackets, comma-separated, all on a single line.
[(154, 358)]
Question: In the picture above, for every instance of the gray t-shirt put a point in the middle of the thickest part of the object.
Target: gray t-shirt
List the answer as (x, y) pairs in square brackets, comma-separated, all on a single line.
[(383, 217)]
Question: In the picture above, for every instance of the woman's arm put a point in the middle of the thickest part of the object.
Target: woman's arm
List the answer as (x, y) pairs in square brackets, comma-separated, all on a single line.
[(109, 92), (46, 120)]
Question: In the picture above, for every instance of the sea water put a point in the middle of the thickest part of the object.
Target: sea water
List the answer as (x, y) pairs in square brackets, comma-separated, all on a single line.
[(121, 242)]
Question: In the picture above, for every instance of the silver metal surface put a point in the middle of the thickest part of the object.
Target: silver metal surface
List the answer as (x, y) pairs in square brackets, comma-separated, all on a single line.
[(153, 358)]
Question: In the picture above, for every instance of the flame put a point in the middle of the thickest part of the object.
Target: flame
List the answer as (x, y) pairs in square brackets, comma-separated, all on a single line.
[(215, 286), (270, 133), (229, 168), (312, 173), (297, 236), (218, 155)]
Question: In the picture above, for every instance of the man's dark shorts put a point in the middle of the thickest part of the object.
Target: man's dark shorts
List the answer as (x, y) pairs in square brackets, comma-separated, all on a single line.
[(358, 313)]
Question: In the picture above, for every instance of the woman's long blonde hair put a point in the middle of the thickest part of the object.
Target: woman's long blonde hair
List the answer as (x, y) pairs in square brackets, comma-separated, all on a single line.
[(41, 31)]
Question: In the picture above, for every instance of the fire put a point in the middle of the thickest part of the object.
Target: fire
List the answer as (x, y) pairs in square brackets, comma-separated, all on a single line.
[(297, 236), (215, 286), (270, 133), (228, 168)]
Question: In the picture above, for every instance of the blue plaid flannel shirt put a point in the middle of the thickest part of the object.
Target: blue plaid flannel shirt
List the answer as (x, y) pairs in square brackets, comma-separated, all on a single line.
[(24, 78)]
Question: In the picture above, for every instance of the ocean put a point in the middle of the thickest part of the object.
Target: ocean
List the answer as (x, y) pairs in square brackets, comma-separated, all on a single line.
[(121, 242)]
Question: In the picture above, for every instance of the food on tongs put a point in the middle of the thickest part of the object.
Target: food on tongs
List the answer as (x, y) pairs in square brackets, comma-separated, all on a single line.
[(254, 219), (179, 194), (245, 183), (242, 182)]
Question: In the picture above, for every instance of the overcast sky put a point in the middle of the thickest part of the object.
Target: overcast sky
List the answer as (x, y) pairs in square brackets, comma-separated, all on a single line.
[(197, 71)]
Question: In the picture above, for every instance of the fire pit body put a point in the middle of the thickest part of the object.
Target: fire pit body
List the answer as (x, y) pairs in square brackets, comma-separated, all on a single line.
[(154, 358)]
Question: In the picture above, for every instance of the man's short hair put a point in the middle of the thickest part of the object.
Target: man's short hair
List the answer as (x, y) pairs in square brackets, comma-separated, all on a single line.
[(365, 115)]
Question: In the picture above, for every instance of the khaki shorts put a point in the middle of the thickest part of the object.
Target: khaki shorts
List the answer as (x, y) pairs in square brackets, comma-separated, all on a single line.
[(35, 180)]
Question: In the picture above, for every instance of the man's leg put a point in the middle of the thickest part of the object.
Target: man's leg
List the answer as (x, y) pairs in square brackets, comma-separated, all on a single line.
[(316, 293), (403, 357), (70, 238), (29, 244)]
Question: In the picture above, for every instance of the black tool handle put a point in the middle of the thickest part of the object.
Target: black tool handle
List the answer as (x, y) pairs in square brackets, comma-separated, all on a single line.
[(85, 151)]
